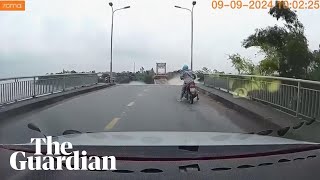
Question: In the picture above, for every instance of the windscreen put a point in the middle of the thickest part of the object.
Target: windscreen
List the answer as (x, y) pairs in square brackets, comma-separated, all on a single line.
[(160, 72)]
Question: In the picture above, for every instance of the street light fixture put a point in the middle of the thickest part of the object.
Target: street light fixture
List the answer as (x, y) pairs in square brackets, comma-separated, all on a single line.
[(111, 49), (191, 11)]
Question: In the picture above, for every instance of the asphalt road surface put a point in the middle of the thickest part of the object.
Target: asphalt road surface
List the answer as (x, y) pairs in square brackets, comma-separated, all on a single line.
[(129, 108)]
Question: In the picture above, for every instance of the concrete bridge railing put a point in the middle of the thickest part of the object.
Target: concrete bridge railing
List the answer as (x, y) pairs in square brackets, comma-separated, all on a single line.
[(297, 97), (21, 88)]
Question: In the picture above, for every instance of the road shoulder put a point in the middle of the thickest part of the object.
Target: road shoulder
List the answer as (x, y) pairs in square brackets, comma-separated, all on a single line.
[(288, 125), (25, 106)]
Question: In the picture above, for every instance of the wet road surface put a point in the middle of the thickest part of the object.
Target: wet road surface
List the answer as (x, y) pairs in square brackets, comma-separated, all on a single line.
[(129, 108)]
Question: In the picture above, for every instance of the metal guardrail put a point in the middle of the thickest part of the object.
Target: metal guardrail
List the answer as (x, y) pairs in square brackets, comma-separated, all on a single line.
[(21, 88), (297, 97)]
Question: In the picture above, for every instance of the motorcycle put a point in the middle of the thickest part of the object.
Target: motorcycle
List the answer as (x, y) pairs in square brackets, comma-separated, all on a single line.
[(191, 93)]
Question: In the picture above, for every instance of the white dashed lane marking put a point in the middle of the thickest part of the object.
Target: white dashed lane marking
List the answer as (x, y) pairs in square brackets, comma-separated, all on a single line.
[(130, 104)]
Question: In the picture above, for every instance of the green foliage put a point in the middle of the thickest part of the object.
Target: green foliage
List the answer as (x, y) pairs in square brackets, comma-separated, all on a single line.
[(200, 73), (285, 48), (297, 58), (268, 66), (314, 68), (241, 64), (145, 76), (286, 14), (315, 74), (148, 79), (267, 38), (206, 70)]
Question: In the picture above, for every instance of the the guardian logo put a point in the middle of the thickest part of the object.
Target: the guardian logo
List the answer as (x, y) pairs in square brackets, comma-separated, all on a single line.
[(62, 155)]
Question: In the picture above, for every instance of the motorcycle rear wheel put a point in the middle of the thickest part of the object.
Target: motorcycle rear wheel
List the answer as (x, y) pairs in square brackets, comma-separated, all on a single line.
[(191, 99)]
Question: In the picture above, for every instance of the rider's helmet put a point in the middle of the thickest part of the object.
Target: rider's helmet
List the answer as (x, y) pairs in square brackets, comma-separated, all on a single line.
[(185, 67)]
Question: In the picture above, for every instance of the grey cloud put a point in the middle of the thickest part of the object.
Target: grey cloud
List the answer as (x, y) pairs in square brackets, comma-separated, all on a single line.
[(55, 37)]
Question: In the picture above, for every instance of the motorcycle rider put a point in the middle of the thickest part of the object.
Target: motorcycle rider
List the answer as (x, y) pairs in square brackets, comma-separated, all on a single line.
[(187, 76)]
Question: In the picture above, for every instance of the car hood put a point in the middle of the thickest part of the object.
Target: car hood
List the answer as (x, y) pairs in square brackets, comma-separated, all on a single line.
[(172, 139)]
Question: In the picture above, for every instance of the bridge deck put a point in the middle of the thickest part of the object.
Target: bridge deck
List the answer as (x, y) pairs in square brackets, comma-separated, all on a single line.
[(130, 108)]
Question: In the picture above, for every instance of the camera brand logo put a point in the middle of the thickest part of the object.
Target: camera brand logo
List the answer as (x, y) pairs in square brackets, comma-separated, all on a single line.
[(12, 5)]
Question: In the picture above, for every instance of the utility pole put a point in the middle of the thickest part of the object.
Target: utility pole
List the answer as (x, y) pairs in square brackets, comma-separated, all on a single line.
[(191, 11), (134, 67), (111, 48)]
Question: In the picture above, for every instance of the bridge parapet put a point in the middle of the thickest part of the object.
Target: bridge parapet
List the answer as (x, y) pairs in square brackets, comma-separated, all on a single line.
[(298, 97), (21, 88)]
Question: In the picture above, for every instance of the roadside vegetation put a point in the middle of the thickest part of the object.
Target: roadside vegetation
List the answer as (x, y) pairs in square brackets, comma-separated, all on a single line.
[(285, 49)]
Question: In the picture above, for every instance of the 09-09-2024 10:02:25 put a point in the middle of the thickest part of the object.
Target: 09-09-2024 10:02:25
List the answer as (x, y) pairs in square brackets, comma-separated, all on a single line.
[(266, 4)]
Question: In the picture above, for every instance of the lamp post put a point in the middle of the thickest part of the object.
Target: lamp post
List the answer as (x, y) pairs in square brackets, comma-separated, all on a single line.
[(111, 49), (191, 11)]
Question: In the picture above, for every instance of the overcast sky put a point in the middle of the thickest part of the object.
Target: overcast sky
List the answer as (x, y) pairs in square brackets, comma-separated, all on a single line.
[(52, 35)]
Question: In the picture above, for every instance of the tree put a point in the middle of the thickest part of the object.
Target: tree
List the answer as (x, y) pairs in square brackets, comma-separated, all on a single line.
[(267, 67), (241, 64), (148, 79), (152, 71), (281, 11), (142, 70), (297, 56), (314, 68), (285, 48), (200, 73), (206, 70)]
